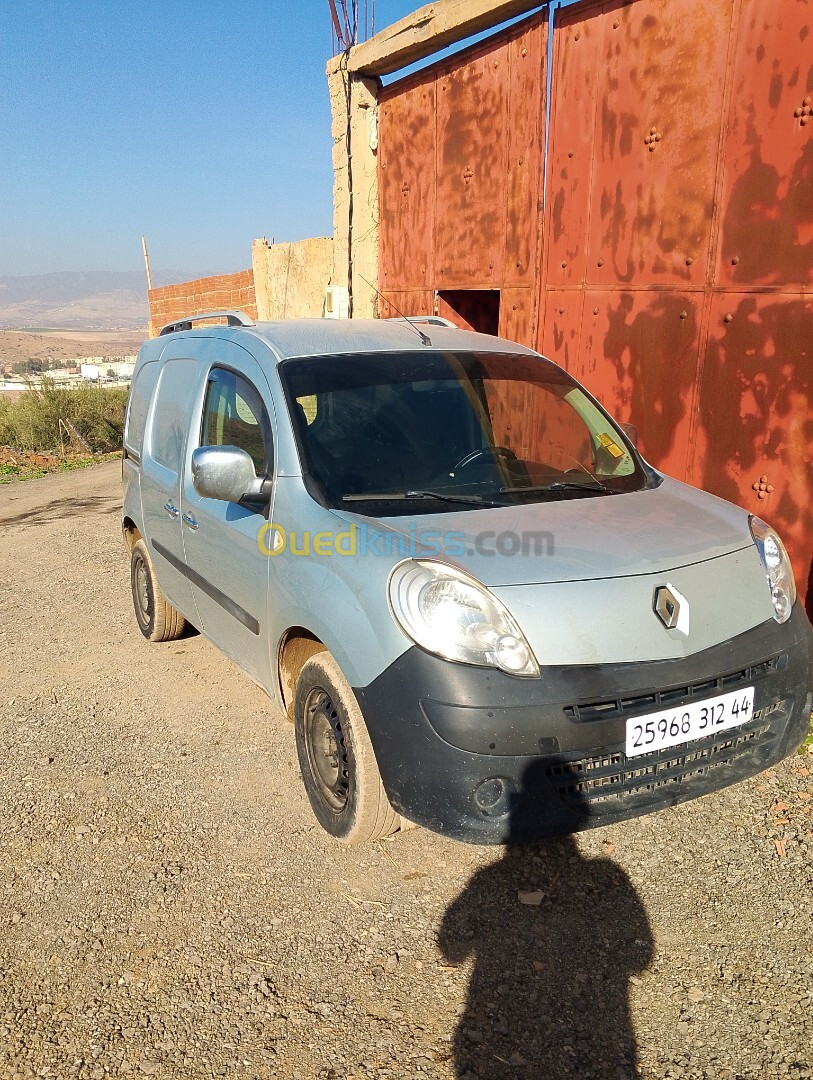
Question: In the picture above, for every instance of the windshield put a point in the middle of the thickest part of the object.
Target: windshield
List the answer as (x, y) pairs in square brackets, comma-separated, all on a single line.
[(451, 431)]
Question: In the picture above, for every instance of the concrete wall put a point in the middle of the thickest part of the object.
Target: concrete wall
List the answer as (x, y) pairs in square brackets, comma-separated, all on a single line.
[(227, 291), (290, 279), (354, 126)]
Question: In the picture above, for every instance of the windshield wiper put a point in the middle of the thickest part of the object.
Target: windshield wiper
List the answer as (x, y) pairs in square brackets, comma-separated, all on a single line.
[(409, 496), (561, 485)]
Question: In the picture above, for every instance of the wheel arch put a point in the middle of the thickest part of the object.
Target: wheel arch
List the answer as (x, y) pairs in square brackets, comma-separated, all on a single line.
[(296, 646), (130, 533)]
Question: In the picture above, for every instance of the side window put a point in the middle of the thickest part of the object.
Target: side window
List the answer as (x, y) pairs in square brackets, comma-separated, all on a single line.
[(172, 412), (140, 397), (234, 415)]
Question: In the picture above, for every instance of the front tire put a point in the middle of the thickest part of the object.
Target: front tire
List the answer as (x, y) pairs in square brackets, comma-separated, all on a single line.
[(336, 757), (157, 619)]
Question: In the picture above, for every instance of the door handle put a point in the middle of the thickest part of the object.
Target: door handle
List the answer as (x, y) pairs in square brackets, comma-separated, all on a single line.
[(190, 521), (173, 511)]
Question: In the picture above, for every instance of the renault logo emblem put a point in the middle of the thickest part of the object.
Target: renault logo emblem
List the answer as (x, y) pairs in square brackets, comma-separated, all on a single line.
[(672, 608)]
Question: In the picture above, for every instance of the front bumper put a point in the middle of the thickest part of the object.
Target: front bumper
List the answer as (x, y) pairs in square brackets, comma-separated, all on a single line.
[(485, 757)]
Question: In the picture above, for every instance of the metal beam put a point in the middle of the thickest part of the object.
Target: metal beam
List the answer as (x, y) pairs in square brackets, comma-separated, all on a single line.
[(430, 29)]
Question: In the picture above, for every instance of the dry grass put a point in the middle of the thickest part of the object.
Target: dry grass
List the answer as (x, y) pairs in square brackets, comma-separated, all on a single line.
[(41, 420)]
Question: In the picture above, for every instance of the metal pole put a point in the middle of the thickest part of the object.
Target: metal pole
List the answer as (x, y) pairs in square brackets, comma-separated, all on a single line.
[(146, 262)]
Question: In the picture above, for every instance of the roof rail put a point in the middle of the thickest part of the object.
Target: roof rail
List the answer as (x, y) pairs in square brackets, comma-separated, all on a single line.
[(233, 318)]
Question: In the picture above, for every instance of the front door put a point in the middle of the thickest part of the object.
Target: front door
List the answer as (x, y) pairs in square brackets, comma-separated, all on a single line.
[(227, 570)]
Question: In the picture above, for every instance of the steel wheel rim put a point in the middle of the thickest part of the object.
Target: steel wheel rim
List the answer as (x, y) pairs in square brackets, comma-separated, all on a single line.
[(327, 749), (141, 592)]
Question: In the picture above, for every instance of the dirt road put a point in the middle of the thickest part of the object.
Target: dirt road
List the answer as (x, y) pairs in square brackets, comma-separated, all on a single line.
[(169, 908)]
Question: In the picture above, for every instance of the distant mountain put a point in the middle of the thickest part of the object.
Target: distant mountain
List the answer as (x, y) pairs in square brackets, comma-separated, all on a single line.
[(80, 301)]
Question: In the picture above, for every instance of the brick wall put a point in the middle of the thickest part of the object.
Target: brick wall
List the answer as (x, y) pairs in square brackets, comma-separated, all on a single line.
[(227, 291)]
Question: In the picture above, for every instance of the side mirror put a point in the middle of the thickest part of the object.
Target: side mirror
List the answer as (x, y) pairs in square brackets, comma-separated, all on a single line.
[(631, 431), (227, 473)]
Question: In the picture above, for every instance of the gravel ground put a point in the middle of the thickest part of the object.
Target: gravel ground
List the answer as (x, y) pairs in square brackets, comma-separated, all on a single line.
[(171, 910)]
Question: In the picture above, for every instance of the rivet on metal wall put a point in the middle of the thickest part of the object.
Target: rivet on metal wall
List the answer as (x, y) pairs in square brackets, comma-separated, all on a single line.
[(762, 487), (564, 263), (616, 23), (570, 153), (577, 35), (523, 51), (735, 260), (519, 264), (600, 262), (595, 311), (689, 260), (561, 311), (684, 314), (728, 318), (652, 139)]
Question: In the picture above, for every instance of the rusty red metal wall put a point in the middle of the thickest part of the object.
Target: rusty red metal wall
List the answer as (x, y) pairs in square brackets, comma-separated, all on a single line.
[(460, 167), (674, 272), (680, 240)]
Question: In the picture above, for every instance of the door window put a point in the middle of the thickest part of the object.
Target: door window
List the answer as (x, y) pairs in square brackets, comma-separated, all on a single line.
[(171, 413), (234, 415)]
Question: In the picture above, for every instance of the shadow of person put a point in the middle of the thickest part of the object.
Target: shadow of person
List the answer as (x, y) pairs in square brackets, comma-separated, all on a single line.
[(548, 995)]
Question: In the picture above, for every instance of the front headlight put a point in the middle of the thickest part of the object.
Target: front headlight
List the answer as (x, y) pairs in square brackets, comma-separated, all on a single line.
[(777, 568), (452, 615)]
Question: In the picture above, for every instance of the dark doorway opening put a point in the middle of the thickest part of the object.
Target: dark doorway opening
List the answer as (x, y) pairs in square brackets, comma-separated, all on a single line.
[(471, 309)]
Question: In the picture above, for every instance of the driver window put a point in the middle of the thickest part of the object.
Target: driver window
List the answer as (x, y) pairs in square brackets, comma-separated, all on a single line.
[(234, 415)]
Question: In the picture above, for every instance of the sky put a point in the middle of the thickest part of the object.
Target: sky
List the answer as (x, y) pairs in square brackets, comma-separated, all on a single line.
[(201, 124)]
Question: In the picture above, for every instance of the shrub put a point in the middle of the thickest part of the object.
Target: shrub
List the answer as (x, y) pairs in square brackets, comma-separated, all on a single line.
[(31, 423)]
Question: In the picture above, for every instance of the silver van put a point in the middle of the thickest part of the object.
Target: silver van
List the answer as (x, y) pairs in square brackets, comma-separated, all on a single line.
[(482, 609)]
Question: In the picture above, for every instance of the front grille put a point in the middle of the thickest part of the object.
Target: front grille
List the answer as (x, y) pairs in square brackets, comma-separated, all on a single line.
[(655, 700), (608, 780)]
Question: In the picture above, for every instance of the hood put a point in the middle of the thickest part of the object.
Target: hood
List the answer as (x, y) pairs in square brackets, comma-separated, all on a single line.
[(621, 535)]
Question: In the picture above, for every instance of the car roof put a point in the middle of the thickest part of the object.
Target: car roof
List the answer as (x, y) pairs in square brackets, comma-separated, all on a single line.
[(316, 337)]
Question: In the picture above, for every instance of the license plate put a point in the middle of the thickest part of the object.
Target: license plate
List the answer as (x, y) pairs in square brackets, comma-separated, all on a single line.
[(672, 727)]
